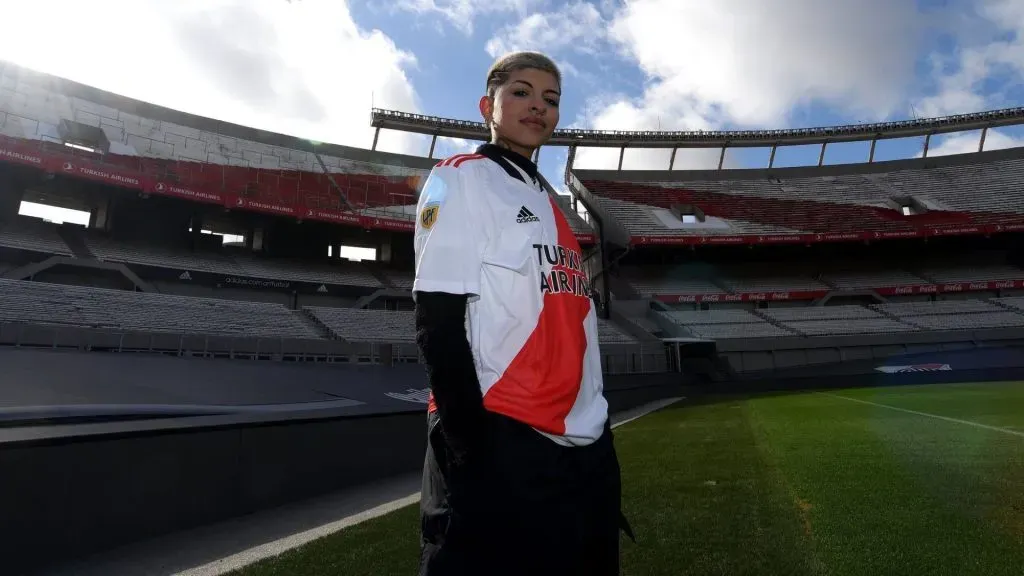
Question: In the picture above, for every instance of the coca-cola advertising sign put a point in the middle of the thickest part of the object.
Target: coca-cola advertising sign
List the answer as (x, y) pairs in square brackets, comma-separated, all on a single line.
[(949, 287), (743, 297)]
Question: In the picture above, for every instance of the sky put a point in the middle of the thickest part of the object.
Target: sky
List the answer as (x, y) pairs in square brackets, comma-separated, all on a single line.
[(315, 68)]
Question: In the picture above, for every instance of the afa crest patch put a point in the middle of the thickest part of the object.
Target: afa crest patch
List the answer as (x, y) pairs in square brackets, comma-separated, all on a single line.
[(428, 215)]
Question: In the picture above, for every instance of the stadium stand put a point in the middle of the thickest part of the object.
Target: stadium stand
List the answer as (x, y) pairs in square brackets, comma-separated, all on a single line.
[(956, 321), (231, 171), (725, 323), (609, 333), (669, 280), (636, 209), (959, 306), (834, 320), (947, 192), (851, 278), (972, 273), (811, 313), (706, 317), (32, 234), (576, 222), (155, 255), (645, 324), (1013, 303), (399, 326), (960, 314), (768, 278), (236, 262), (163, 152), (346, 273), (835, 327), (694, 279), (59, 304), (199, 159), (366, 325), (402, 279)]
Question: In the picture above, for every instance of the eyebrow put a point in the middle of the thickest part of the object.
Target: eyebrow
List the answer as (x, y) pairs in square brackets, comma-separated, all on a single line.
[(557, 93)]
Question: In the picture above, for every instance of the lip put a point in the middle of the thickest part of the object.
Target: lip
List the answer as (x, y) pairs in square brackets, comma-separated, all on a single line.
[(534, 122)]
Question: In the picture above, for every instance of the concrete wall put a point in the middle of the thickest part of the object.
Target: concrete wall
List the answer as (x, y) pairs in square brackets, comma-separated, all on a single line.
[(768, 354), (65, 496), (70, 491)]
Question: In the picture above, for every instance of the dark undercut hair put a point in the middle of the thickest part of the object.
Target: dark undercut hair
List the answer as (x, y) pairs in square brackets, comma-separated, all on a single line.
[(503, 67)]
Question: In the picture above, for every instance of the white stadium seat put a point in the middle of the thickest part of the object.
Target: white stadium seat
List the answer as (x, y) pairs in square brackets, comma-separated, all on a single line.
[(59, 304)]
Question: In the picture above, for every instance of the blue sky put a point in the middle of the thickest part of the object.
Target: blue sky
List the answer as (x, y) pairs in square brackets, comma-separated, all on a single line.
[(313, 67)]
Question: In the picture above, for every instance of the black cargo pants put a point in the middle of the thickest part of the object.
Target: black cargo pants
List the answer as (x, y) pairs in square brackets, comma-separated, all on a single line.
[(523, 505)]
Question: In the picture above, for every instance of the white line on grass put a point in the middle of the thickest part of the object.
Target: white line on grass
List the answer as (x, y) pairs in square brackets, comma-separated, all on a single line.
[(277, 547), (928, 415), (646, 409)]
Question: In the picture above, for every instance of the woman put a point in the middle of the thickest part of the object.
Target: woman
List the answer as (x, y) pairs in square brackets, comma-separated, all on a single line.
[(521, 476)]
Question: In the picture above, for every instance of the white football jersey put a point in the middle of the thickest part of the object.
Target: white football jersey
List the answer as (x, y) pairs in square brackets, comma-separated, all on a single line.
[(486, 228)]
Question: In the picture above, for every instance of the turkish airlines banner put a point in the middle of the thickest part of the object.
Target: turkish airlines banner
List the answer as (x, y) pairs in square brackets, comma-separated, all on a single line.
[(105, 174), (187, 193), (723, 240), (815, 294), (13, 154)]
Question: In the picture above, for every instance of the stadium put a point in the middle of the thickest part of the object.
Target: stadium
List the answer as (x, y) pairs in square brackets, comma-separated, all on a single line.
[(834, 348)]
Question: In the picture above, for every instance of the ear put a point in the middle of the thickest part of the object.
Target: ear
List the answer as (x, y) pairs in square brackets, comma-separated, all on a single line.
[(486, 108)]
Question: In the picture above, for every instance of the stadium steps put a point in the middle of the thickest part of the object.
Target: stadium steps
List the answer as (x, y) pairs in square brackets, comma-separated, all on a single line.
[(320, 328), (929, 278), (622, 289), (718, 282), (1004, 306), (625, 323), (881, 310), (380, 276), (74, 237), (776, 323)]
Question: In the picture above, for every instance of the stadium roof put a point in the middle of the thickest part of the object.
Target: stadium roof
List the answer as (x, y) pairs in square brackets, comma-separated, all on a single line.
[(450, 128)]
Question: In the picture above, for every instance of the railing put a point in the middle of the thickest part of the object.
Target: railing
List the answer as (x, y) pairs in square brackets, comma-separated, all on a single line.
[(706, 138)]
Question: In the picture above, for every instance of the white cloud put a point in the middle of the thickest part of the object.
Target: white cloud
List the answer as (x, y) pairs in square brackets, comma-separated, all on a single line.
[(709, 65), (989, 58), (577, 26), (462, 13), (967, 142), (758, 61), (275, 65), (660, 110)]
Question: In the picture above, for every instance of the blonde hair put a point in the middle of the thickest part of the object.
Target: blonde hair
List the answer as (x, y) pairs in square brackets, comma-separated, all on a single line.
[(503, 67)]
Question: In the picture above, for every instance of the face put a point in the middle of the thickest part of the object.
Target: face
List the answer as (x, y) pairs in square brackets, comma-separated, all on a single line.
[(524, 112)]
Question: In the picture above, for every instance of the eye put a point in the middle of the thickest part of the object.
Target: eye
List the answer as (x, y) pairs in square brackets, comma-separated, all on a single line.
[(520, 93), (552, 102)]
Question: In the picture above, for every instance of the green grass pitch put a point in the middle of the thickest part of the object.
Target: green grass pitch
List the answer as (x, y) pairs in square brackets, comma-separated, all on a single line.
[(908, 480)]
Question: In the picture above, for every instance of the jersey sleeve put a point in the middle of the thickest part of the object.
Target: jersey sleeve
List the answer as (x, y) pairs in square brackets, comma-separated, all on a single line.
[(449, 242)]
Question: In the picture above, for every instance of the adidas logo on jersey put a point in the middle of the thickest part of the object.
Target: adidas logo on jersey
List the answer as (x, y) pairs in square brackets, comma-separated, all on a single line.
[(526, 216)]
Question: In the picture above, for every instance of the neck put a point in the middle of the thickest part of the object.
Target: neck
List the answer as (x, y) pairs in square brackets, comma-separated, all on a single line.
[(521, 150)]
